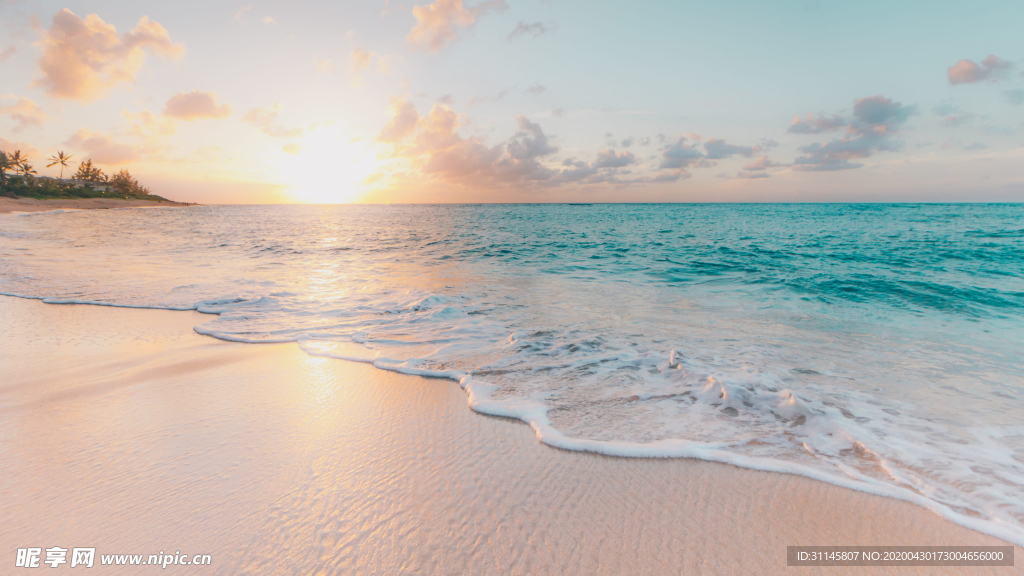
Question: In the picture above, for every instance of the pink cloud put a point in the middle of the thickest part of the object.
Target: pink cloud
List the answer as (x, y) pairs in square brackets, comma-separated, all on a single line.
[(967, 72), (103, 148), (760, 163), (24, 112), (403, 121), (874, 121), (265, 120), (436, 22), (82, 59), (10, 146), (361, 60), (151, 129), (812, 124), (611, 159), (436, 152), (196, 105)]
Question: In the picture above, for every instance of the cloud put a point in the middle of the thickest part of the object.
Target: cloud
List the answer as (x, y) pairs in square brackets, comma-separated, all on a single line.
[(10, 146), (195, 105), (976, 146), (265, 120), (83, 59), (812, 124), (680, 155), (6, 54), (536, 89), (360, 60), (291, 148), (241, 12), (148, 130), (103, 148), (751, 175), (403, 121), (149, 127), (717, 149), (268, 20), (755, 169), (436, 151), (879, 114), (436, 22), (875, 119), (609, 159), (489, 99), (967, 72), (24, 112), (533, 30), (954, 117), (760, 163), (1016, 97), (530, 141)]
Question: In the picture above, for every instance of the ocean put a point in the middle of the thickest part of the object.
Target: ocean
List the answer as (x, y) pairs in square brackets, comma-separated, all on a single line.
[(874, 346)]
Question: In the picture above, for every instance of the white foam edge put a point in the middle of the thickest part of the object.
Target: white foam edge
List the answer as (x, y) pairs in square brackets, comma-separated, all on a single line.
[(49, 300), (534, 415)]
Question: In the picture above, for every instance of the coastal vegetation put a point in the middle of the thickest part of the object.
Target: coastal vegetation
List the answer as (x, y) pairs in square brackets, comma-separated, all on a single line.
[(19, 179)]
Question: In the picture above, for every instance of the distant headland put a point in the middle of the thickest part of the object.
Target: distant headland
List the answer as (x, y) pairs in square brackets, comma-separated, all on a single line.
[(21, 189)]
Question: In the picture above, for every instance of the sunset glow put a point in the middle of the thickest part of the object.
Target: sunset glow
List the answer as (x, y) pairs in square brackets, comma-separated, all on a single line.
[(503, 101), (327, 168)]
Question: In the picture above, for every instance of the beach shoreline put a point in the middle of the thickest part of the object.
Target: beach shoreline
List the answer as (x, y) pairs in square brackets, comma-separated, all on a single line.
[(142, 435), (8, 205)]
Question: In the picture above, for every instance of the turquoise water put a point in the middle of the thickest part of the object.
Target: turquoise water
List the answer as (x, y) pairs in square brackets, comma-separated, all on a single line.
[(872, 346)]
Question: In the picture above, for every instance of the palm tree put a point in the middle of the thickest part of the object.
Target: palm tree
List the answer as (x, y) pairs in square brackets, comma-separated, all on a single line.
[(20, 165), (62, 159), (5, 165), (16, 159), (25, 169)]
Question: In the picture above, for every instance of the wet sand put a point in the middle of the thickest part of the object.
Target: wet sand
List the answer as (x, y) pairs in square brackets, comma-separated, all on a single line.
[(124, 430), (32, 205)]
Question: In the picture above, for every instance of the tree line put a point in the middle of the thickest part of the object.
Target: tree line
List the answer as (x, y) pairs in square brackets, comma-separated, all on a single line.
[(88, 181)]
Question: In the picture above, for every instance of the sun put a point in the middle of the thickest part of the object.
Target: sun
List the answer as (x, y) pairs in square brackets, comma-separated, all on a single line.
[(327, 166)]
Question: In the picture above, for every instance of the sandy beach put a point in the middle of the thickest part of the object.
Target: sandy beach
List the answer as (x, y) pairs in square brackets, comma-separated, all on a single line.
[(125, 430), (8, 205)]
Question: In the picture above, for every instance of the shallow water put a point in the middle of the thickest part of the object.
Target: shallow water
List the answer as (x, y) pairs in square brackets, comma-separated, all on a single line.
[(872, 346)]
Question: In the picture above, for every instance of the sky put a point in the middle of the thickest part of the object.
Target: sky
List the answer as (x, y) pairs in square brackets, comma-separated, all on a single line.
[(524, 100)]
